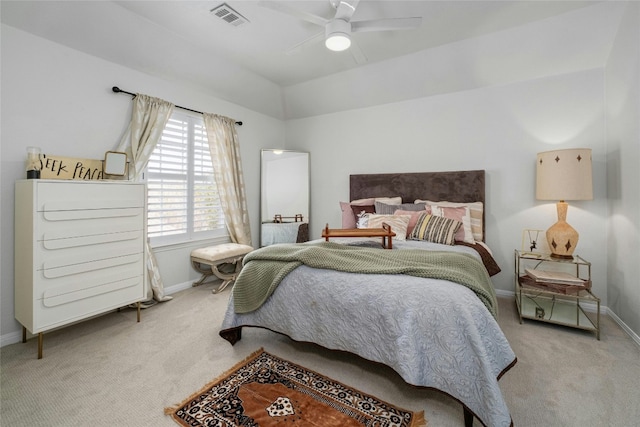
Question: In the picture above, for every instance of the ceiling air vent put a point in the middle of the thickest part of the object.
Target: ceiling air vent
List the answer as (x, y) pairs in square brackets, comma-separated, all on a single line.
[(230, 16)]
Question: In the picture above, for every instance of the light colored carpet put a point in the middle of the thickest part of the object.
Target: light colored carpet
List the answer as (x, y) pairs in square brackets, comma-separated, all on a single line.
[(112, 371)]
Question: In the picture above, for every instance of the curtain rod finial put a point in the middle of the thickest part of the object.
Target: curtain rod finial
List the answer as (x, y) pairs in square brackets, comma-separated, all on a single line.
[(116, 89)]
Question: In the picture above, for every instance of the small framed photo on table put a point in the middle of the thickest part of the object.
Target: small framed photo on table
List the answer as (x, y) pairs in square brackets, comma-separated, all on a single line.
[(534, 242)]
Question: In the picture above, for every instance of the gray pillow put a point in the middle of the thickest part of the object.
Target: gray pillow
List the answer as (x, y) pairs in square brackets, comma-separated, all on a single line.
[(385, 209)]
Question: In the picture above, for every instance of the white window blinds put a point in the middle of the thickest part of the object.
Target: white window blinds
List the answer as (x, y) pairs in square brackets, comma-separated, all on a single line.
[(183, 202)]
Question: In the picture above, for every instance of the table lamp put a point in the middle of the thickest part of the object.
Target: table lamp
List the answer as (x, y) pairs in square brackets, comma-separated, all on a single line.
[(563, 175)]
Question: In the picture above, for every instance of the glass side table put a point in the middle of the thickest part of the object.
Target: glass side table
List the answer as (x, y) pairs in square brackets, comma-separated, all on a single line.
[(558, 302)]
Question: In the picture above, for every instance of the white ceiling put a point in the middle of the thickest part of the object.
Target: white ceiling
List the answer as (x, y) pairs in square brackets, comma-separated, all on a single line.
[(132, 33)]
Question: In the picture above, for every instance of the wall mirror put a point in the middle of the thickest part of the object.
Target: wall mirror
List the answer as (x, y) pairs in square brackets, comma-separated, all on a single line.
[(284, 196)]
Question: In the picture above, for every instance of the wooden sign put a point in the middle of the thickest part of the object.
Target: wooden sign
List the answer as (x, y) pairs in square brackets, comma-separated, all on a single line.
[(57, 167)]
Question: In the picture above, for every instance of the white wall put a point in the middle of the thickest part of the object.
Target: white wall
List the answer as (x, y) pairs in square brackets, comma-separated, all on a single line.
[(60, 100), (623, 173), (498, 129)]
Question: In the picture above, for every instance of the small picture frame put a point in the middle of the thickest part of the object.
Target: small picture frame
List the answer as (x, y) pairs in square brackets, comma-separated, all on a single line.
[(534, 241), (115, 163)]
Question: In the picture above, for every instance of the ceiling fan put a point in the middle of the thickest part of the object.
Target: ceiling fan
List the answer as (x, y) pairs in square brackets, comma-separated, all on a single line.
[(338, 29)]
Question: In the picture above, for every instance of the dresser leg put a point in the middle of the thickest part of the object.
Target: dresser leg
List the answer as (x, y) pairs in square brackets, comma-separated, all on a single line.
[(24, 334), (139, 305), (40, 340)]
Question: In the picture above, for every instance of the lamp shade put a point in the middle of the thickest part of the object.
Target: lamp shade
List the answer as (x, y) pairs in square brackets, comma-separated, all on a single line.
[(564, 175)]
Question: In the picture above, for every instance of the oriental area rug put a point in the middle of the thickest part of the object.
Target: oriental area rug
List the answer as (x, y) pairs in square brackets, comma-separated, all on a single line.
[(266, 391)]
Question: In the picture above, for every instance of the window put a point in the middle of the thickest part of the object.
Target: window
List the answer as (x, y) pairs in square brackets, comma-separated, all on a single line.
[(183, 201)]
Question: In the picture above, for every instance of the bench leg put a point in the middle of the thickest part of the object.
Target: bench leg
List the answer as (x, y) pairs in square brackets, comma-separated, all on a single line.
[(227, 278), (213, 270)]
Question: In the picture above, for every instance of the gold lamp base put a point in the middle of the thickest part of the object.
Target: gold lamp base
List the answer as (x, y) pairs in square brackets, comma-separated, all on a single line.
[(562, 237)]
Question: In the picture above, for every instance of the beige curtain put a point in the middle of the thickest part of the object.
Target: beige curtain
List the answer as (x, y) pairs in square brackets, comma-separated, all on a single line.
[(227, 169), (149, 117)]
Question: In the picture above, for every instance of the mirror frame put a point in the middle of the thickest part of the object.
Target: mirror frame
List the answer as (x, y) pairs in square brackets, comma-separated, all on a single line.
[(115, 163), (263, 153)]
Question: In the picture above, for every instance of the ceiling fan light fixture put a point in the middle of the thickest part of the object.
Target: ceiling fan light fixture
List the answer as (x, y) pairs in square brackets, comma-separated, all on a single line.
[(338, 35), (338, 42)]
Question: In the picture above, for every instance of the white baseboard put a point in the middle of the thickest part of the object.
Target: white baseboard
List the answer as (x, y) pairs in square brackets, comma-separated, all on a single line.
[(10, 338), (624, 327), (178, 287)]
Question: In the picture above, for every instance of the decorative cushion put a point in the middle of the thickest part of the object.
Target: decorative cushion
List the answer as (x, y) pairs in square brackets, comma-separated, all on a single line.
[(389, 209), (362, 220), (359, 210), (389, 200), (414, 217), (461, 214), (476, 212), (348, 217), (214, 254), (398, 223), (436, 229)]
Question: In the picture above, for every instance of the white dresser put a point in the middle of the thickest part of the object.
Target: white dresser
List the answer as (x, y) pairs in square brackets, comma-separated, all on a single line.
[(79, 251)]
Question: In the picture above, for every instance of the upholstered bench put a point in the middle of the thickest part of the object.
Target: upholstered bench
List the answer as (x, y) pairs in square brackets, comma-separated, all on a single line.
[(209, 260)]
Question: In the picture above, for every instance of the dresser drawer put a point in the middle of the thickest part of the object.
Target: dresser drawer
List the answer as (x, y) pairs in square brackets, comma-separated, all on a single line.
[(66, 262), (72, 278), (86, 196), (53, 241), (62, 306), (90, 221)]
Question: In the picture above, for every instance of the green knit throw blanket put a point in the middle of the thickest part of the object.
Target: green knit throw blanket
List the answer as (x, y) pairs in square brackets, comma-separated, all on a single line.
[(264, 269)]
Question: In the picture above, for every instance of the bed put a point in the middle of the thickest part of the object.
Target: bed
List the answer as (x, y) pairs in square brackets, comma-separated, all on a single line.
[(434, 332)]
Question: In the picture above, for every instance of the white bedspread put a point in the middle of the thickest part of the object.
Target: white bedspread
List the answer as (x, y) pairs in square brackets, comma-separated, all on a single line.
[(434, 333)]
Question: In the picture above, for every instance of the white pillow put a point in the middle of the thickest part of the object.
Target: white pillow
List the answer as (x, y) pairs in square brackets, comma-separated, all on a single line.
[(476, 212), (459, 213), (398, 223), (386, 200)]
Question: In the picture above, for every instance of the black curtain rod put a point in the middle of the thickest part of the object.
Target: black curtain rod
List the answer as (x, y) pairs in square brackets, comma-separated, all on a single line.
[(116, 89)]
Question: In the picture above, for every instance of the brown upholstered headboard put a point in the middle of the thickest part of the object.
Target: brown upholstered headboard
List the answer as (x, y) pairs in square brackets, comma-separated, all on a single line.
[(458, 186)]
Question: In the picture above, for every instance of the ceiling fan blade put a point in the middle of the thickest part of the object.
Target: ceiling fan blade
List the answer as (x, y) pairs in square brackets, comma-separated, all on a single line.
[(357, 53), (296, 49), (346, 9), (296, 13), (388, 24)]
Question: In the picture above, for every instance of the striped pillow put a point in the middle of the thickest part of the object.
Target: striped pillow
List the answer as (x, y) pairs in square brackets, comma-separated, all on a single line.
[(398, 223), (436, 229), (476, 211), (460, 214), (389, 209)]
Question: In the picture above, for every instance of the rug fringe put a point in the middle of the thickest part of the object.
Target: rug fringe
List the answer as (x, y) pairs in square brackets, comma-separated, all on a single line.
[(171, 410), (419, 420)]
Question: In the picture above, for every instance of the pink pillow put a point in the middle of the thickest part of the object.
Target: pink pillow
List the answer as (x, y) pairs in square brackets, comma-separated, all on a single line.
[(461, 214), (414, 217), (348, 219)]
